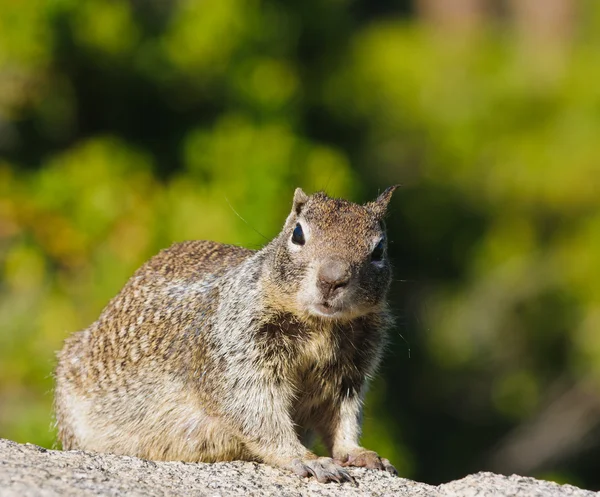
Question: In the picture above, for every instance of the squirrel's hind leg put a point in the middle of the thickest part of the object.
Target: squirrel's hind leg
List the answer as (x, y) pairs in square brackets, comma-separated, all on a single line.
[(161, 423)]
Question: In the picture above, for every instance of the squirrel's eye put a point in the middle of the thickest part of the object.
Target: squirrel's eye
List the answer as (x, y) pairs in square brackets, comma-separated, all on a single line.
[(298, 235), (377, 253)]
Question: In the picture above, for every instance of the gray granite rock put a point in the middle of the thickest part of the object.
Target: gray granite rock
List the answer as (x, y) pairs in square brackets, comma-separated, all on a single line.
[(28, 470)]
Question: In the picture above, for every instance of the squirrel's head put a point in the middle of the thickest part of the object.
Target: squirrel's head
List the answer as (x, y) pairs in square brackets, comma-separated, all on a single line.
[(331, 257)]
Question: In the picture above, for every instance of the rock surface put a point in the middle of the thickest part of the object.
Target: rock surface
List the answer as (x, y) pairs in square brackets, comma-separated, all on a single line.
[(28, 470)]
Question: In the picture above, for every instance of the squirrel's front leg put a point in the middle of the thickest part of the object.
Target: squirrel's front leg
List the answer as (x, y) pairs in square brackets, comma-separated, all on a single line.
[(344, 433), (264, 420)]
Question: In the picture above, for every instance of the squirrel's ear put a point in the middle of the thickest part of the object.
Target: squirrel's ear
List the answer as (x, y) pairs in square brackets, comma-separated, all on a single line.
[(380, 204), (300, 198)]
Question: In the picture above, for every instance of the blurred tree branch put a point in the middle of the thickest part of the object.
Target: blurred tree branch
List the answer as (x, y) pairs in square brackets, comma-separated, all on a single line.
[(563, 428)]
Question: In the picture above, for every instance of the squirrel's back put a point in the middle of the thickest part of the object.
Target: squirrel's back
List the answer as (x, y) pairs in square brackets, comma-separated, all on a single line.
[(158, 303), (194, 260)]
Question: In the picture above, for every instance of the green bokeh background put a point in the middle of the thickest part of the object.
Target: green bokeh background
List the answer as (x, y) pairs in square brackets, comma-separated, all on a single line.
[(126, 126)]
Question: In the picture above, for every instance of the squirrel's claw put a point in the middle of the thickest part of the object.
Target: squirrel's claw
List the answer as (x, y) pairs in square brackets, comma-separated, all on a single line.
[(370, 460), (389, 467), (324, 469)]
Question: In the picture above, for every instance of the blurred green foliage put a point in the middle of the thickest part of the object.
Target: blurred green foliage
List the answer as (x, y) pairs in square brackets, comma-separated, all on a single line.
[(126, 126)]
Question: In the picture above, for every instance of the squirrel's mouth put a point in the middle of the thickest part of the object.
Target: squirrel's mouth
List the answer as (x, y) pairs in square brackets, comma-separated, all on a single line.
[(324, 309)]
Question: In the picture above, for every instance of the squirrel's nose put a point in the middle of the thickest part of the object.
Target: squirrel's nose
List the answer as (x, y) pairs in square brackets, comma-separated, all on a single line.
[(332, 277)]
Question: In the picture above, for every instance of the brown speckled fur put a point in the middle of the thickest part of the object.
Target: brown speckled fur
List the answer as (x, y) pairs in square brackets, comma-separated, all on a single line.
[(213, 352)]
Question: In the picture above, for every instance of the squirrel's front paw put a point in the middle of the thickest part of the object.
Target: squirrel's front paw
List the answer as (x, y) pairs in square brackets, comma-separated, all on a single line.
[(324, 469), (364, 458)]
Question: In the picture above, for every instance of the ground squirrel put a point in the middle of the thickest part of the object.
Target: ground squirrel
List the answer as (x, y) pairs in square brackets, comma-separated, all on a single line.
[(213, 352)]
